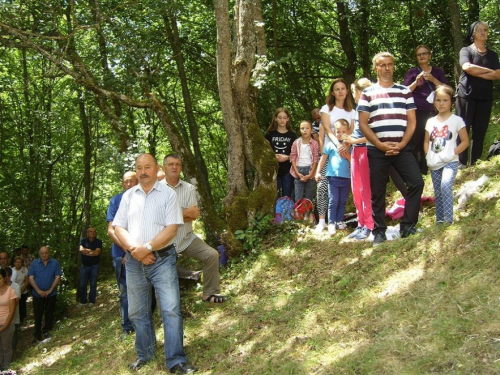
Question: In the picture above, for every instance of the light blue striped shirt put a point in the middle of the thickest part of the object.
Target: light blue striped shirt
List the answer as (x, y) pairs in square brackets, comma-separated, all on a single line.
[(145, 215)]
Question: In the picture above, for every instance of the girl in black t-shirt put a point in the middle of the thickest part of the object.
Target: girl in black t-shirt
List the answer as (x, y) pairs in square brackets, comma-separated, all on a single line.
[(281, 137)]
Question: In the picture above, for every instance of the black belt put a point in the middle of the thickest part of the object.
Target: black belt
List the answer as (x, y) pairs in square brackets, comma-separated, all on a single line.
[(163, 252)]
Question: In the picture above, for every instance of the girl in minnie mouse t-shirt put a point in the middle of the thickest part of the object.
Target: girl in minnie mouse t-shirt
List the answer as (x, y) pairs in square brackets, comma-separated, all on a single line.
[(442, 151)]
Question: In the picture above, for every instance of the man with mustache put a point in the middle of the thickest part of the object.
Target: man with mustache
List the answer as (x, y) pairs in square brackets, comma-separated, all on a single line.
[(146, 224)]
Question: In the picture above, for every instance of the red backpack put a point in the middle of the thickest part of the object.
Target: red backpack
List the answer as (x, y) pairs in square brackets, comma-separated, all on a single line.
[(303, 210)]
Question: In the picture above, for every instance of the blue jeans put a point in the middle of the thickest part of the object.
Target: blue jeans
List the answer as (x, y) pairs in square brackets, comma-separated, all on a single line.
[(285, 185), (308, 186), (163, 275), (338, 192), (88, 273), (122, 286), (442, 180)]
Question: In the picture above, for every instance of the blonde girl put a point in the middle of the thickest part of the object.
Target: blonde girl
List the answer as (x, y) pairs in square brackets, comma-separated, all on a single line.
[(338, 177), (360, 171), (304, 158), (440, 146)]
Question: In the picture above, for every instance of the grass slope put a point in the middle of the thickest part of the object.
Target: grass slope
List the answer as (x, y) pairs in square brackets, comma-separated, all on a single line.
[(427, 304)]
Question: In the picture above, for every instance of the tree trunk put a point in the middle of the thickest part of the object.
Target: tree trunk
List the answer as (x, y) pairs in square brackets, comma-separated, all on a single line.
[(170, 23), (366, 63), (246, 144), (457, 37), (346, 42), (87, 159), (472, 12), (34, 190), (214, 225)]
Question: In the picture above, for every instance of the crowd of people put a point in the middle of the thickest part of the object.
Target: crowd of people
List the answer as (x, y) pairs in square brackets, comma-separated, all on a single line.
[(17, 277), (150, 225), (397, 130)]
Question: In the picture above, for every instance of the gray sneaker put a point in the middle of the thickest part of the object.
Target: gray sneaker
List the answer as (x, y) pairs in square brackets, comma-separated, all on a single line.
[(355, 233), (363, 234)]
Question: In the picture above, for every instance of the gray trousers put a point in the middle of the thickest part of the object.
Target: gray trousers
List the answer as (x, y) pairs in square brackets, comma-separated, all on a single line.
[(6, 346), (210, 258)]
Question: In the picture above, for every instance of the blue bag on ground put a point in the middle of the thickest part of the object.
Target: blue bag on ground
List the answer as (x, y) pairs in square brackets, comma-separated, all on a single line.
[(284, 210)]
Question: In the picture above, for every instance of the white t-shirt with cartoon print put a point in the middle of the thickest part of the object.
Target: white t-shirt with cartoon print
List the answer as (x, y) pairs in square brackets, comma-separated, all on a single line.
[(442, 140)]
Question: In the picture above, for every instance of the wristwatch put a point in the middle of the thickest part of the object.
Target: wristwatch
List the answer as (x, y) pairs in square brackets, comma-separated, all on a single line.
[(149, 247)]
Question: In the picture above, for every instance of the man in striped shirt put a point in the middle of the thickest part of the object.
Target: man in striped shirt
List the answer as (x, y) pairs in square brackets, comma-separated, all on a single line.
[(186, 241), (387, 119), (146, 224)]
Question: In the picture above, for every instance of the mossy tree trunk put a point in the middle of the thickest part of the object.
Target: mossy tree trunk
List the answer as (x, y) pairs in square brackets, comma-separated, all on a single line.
[(237, 65)]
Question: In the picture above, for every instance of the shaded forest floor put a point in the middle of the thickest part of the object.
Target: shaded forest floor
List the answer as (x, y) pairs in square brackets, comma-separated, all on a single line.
[(427, 304)]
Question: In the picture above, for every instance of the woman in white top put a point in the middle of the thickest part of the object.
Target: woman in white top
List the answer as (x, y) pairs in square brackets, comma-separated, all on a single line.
[(339, 105)]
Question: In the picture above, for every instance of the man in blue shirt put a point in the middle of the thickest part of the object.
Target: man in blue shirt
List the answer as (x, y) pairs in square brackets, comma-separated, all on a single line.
[(129, 180), (44, 276), (90, 252)]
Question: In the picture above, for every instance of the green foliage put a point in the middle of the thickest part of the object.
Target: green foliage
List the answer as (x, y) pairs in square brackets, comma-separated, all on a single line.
[(252, 236), (65, 299), (285, 232)]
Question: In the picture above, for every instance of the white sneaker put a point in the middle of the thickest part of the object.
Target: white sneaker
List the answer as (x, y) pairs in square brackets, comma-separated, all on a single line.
[(341, 225), (331, 229), (320, 228), (90, 304), (80, 305)]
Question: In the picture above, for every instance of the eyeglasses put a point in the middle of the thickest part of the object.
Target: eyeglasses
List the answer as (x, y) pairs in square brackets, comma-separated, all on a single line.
[(422, 54)]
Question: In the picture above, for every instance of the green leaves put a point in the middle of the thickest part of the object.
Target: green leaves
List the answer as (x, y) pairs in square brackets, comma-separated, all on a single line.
[(252, 236)]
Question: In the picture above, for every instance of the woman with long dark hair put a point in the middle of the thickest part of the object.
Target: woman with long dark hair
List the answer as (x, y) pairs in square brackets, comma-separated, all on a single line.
[(338, 105)]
